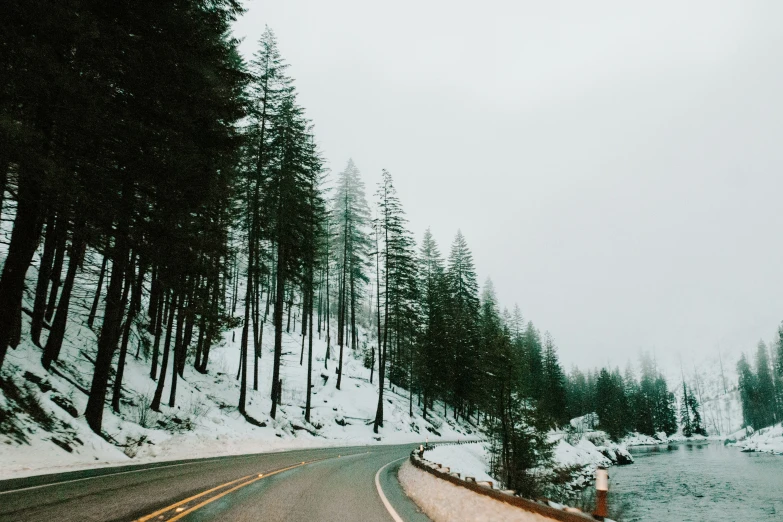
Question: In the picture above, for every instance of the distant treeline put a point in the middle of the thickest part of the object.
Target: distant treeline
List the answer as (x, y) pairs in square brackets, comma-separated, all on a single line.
[(624, 403)]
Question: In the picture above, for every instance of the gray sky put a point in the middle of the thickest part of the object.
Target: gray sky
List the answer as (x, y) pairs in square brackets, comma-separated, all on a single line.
[(616, 168)]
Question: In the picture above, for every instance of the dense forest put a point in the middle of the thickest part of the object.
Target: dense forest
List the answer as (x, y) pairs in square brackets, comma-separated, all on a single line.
[(140, 151)]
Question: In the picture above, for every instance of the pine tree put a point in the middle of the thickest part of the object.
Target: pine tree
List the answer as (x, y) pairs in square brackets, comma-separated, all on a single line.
[(696, 421), (399, 288), (748, 392), (349, 207), (433, 366), (685, 414), (553, 400), (463, 312), (765, 388)]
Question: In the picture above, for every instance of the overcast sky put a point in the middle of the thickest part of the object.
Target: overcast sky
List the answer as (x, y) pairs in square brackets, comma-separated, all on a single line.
[(616, 168)]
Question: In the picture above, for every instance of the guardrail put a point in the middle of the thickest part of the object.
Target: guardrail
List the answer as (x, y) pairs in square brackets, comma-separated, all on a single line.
[(486, 489)]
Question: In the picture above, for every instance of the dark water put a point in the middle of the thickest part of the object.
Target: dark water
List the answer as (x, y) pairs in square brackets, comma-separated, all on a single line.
[(691, 483)]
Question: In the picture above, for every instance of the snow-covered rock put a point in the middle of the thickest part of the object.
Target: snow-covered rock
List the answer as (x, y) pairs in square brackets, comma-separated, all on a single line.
[(585, 423), (639, 439), (767, 440)]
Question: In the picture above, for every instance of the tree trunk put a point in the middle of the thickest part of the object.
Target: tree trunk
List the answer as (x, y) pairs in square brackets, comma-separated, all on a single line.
[(216, 296), (177, 353), (246, 326), (341, 311), (278, 320), (152, 310), (310, 353), (24, 241), (4, 165), (42, 285), (187, 335), (55, 340), (328, 316), (61, 234), (112, 318), (135, 305), (97, 299), (163, 303), (172, 305), (353, 313)]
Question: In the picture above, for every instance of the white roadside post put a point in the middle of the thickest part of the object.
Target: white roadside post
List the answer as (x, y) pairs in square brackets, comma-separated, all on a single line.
[(601, 492)]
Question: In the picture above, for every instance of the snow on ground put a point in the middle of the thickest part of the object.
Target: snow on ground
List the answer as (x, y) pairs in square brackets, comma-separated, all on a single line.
[(469, 460), (446, 502), (42, 427), (576, 456), (639, 439), (583, 453), (767, 440)]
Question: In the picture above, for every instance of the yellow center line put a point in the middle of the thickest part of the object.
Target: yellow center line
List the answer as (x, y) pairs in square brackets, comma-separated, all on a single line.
[(244, 482), (212, 499), (194, 497)]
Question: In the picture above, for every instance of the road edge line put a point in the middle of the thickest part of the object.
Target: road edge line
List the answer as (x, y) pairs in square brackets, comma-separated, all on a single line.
[(385, 500)]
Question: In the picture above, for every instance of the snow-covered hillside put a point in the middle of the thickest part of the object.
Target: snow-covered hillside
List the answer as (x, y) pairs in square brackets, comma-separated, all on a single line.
[(714, 381), (43, 429)]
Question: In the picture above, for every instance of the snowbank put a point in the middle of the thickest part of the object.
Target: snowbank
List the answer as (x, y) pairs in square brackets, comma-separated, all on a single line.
[(639, 439), (767, 440), (583, 453), (573, 465), (446, 502), (469, 460)]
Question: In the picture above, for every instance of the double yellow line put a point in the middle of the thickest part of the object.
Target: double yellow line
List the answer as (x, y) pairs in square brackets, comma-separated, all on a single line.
[(182, 508)]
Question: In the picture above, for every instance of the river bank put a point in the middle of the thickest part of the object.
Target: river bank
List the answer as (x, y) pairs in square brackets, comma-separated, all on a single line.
[(707, 481)]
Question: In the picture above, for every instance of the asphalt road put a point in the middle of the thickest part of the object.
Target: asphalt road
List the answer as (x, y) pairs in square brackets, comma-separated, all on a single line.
[(331, 484)]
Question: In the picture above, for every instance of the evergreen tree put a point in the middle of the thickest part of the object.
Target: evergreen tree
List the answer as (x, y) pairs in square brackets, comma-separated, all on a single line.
[(611, 403), (765, 388), (534, 363), (349, 207), (399, 287), (433, 368), (463, 311), (696, 422), (748, 393), (553, 400), (685, 414)]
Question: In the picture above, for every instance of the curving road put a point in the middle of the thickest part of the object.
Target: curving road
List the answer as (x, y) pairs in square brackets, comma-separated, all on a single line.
[(331, 484)]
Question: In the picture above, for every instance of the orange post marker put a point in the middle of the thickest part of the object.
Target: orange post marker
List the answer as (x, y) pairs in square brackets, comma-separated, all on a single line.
[(601, 493)]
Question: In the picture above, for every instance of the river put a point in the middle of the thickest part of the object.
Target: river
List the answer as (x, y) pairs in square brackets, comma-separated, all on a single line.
[(695, 483)]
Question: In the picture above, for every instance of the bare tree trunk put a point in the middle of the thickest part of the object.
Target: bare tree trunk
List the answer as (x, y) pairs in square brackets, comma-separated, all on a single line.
[(328, 298), (172, 306), (97, 299), (24, 241), (61, 235), (178, 355), (310, 352), (341, 311), (162, 310), (112, 318), (55, 340), (278, 320), (135, 305), (381, 350), (246, 324), (42, 285)]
